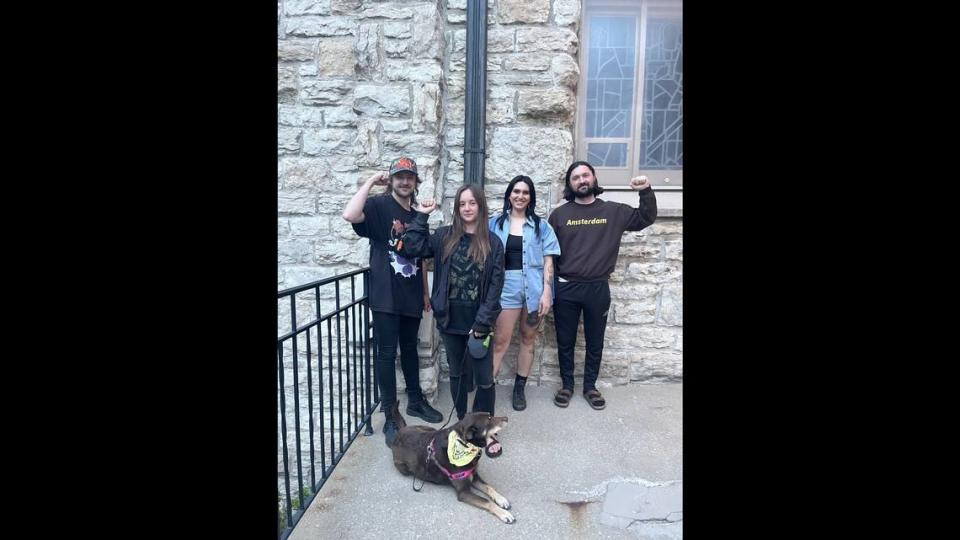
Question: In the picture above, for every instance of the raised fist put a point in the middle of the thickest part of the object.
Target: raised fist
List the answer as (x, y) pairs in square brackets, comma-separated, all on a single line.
[(381, 178), (428, 205), (639, 182)]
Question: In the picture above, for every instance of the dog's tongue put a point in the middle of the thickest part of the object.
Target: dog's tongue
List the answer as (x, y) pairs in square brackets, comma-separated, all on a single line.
[(494, 449)]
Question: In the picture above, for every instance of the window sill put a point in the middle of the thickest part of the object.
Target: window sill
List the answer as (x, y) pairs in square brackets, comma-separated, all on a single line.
[(669, 202)]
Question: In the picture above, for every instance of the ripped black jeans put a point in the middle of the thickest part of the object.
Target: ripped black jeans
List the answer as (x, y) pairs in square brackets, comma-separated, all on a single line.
[(465, 371)]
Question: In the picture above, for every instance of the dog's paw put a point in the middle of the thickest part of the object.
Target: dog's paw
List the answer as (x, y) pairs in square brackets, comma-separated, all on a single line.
[(506, 517), (501, 501)]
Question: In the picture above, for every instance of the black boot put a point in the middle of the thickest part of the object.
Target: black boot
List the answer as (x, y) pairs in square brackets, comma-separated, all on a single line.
[(519, 400), (390, 429), (421, 409)]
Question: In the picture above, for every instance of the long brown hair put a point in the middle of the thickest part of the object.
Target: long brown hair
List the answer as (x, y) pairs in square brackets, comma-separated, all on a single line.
[(480, 245)]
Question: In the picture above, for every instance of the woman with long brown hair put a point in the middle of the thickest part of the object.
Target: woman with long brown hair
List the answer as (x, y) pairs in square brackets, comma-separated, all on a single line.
[(467, 281)]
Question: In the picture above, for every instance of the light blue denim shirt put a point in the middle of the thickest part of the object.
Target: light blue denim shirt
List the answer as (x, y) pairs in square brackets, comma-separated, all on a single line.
[(534, 250)]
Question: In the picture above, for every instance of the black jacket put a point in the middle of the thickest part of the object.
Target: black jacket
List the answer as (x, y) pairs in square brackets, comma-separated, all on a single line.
[(418, 242)]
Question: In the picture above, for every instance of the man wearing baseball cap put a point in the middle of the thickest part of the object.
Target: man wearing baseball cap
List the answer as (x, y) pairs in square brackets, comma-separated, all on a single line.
[(398, 295)]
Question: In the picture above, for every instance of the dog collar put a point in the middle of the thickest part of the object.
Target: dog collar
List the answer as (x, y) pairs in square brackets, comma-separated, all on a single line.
[(460, 475)]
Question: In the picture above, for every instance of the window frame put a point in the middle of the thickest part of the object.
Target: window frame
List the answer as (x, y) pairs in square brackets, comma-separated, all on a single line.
[(615, 177)]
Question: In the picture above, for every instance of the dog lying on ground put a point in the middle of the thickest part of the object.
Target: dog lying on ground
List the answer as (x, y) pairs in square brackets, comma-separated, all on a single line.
[(426, 453)]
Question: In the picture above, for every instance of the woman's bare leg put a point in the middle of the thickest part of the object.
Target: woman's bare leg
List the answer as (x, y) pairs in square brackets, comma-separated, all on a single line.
[(504, 332), (528, 335)]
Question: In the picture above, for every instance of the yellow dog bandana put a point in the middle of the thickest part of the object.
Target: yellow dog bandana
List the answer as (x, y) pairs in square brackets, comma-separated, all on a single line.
[(459, 453)]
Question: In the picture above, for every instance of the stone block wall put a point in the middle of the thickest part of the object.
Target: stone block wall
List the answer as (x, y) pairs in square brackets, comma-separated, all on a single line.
[(361, 82)]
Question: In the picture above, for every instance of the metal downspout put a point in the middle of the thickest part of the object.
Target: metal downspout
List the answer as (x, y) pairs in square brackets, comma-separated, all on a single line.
[(474, 140)]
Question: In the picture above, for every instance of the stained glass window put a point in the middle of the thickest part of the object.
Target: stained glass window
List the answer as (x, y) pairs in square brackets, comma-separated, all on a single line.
[(661, 135), (612, 61), (630, 118), (607, 154)]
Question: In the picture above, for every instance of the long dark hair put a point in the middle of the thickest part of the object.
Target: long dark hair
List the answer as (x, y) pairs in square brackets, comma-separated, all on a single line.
[(568, 193), (480, 245), (531, 206)]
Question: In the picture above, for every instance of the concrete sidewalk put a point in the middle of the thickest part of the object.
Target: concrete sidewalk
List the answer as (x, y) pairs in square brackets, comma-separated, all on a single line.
[(568, 473)]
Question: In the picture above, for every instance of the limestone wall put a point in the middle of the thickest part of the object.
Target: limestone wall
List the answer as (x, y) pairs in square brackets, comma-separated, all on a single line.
[(361, 82)]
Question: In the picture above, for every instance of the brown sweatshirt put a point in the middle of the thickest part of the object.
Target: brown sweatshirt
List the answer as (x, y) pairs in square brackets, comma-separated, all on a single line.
[(590, 234)]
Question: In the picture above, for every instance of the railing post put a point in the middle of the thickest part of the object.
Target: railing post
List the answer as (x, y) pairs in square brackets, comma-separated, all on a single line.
[(336, 285), (323, 438), (283, 428), (333, 438), (368, 373), (295, 361), (313, 459), (357, 388)]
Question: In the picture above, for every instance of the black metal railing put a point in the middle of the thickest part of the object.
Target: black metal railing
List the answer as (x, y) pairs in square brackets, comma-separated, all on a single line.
[(343, 394)]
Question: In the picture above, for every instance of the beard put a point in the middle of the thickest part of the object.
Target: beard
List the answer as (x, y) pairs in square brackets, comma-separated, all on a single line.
[(403, 191)]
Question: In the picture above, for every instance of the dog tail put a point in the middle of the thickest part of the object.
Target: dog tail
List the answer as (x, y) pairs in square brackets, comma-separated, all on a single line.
[(397, 417)]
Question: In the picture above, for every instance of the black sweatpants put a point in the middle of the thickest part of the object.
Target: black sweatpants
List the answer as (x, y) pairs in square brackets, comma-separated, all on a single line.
[(389, 329), (593, 300)]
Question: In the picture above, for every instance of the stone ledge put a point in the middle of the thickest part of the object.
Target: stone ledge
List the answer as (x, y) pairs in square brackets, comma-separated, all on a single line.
[(669, 202)]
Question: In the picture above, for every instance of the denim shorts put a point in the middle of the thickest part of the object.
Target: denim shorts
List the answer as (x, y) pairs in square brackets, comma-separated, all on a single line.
[(512, 296)]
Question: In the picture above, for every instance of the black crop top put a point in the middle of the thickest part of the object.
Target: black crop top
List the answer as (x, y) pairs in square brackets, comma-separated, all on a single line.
[(514, 253)]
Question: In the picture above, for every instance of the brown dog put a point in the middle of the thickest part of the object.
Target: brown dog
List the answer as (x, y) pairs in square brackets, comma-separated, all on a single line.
[(422, 451)]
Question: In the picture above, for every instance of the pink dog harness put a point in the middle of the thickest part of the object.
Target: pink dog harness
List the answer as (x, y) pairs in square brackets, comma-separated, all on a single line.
[(466, 473)]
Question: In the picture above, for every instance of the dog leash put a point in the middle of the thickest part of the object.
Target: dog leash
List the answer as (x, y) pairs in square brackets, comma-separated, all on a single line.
[(430, 451)]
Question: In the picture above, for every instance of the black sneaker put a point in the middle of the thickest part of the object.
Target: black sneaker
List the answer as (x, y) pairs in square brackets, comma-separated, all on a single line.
[(422, 409), (390, 429), (519, 400)]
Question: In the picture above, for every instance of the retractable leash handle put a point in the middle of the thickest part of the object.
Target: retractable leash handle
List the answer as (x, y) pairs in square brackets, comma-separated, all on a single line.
[(478, 348)]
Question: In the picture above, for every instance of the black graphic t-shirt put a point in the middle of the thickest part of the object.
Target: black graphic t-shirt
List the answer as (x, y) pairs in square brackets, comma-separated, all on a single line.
[(395, 282), (464, 298)]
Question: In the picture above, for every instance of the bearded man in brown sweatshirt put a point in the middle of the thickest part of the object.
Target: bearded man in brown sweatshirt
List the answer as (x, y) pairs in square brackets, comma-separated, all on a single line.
[(589, 231)]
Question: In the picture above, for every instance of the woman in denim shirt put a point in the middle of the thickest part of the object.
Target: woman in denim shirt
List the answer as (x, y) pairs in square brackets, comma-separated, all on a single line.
[(530, 245)]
